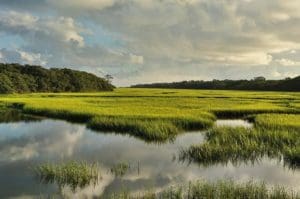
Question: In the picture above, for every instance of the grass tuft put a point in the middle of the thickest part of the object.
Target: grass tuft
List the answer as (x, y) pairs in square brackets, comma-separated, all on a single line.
[(238, 144), (120, 169), (149, 130), (278, 121), (223, 189), (73, 174), (292, 157)]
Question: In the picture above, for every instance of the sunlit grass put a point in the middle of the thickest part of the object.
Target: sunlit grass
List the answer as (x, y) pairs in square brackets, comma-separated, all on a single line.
[(150, 130), (161, 114), (153, 113), (238, 144), (276, 121)]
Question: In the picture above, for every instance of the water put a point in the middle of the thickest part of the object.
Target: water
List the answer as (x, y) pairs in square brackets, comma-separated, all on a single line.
[(234, 123), (152, 166)]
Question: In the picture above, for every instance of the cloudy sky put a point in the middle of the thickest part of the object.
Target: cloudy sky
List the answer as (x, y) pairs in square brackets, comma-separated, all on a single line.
[(141, 41)]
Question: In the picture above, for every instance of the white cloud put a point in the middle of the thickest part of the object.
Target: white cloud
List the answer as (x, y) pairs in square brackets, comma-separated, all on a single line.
[(276, 74), (32, 58), (287, 62), (16, 19), (280, 16), (136, 59), (64, 28), (23, 57), (279, 75), (61, 29), (243, 59), (196, 35), (82, 5)]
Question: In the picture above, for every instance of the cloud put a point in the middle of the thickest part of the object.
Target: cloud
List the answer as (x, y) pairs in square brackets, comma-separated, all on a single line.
[(277, 74), (10, 56), (19, 56), (287, 62), (29, 27), (31, 58), (213, 29), (82, 5), (39, 144), (66, 29), (59, 41), (188, 38), (135, 59), (16, 20)]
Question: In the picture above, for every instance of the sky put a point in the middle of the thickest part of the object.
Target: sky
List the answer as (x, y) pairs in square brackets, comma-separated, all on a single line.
[(144, 41)]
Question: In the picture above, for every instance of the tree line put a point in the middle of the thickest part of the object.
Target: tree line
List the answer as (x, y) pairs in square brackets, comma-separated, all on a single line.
[(258, 83), (16, 78)]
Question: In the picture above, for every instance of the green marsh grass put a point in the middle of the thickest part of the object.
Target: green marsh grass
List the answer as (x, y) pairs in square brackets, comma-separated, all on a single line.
[(13, 115), (73, 174), (292, 157), (149, 130), (161, 114), (273, 135), (170, 111), (223, 189), (278, 121), (239, 144)]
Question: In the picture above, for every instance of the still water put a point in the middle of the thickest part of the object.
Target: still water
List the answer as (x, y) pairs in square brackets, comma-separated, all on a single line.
[(234, 123), (152, 166)]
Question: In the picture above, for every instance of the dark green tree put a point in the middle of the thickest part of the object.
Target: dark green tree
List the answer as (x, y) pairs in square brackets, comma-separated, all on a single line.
[(16, 78)]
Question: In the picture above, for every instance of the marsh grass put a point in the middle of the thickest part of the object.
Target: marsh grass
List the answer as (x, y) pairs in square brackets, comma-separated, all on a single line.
[(245, 136), (148, 127), (239, 113), (8, 115), (239, 144), (278, 121), (120, 169), (292, 157), (72, 174), (149, 130), (224, 189), (161, 114), (152, 114), (229, 189), (59, 114)]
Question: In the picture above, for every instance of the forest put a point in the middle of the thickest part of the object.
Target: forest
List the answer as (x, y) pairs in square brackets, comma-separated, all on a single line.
[(16, 78), (258, 83)]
